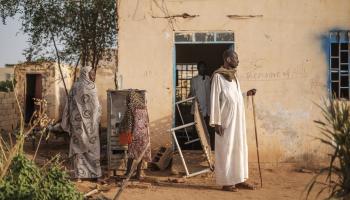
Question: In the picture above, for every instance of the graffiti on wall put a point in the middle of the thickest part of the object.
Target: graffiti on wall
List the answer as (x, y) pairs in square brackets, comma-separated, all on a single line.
[(288, 74)]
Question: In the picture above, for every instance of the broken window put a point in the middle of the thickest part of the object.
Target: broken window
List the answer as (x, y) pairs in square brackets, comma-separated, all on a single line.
[(183, 37), (339, 64), (221, 37), (184, 74), (204, 37)]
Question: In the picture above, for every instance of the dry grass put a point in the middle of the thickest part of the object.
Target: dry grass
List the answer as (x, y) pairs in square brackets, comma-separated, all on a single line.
[(20, 177), (9, 148)]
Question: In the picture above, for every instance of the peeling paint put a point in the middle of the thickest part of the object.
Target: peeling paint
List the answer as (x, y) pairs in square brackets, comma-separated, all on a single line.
[(284, 123), (281, 120)]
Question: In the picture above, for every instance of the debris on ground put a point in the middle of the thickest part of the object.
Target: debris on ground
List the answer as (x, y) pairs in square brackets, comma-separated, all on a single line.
[(139, 185), (97, 188), (176, 180), (302, 170)]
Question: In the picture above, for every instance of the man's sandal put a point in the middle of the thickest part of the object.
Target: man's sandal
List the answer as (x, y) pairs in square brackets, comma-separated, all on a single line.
[(230, 188), (245, 186)]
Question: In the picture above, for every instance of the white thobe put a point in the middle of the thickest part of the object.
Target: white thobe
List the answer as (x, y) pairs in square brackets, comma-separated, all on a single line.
[(227, 110), (201, 89)]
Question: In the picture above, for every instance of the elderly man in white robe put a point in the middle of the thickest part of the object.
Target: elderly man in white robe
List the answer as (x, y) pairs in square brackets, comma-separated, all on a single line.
[(227, 115)]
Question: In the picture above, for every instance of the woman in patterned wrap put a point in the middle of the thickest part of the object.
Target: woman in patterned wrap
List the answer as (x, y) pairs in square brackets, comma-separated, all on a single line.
[(136, 122), (81, 119)]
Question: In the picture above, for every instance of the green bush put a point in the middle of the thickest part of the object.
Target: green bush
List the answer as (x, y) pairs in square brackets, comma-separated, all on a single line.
[(25, 180), (6, 86), (21, 181), (56, 185)]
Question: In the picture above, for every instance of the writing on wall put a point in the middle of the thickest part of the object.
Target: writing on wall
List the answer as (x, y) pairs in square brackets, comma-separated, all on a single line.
[(287, 74)]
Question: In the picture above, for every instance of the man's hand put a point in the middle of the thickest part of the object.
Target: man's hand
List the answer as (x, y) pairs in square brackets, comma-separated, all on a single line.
[(251, 92), (219, 130)]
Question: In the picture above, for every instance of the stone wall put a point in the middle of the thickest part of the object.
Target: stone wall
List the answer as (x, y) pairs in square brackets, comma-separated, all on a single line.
[(9, 117)]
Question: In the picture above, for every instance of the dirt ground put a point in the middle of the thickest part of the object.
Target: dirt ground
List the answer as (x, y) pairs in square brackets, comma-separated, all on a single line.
[(282, 181)]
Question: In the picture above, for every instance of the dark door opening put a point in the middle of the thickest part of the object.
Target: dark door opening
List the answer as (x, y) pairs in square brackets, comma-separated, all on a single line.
[(187, 56), (33, 90)]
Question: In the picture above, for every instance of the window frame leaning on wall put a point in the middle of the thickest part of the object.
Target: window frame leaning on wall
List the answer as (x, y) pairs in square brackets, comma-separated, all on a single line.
[(339, 67)]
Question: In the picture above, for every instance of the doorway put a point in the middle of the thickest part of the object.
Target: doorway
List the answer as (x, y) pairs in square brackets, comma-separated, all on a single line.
[(33, 90), (187, 55)]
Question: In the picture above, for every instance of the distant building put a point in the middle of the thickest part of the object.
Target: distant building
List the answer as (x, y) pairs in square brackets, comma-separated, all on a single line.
[(42, 80), (6, 73)]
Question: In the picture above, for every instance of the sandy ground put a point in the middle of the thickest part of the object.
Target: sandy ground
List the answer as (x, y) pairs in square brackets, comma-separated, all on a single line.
[(282, 181)]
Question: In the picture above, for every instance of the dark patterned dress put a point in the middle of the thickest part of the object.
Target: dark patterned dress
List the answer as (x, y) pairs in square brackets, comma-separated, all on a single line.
[(140, 137), (136, 121)]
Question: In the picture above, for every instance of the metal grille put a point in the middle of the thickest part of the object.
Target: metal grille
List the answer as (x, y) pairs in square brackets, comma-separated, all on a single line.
[(339, 64), (184, 74)]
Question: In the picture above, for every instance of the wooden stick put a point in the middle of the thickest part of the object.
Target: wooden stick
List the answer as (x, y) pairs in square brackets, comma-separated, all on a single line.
[(133, 167), (37, 148), (92, 192), (59, 62), (256, 140)]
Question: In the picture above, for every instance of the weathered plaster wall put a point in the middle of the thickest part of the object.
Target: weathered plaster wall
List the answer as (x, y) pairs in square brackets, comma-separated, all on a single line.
[(60, 98), (5, 72), (52, 84), (282, 54), (105, 81), (8, 105)]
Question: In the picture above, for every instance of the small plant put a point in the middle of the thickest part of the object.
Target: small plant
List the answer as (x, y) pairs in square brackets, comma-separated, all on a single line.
[(21, 181), (21, 178), (335, 129), (56, 184), (25, 180), (6, 86)]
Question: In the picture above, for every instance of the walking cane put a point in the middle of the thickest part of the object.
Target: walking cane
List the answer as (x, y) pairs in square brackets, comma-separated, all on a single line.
[(256, 140)]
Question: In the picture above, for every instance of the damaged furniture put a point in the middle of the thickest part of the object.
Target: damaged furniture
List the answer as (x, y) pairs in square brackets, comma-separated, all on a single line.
[(203, 137), (116, 108)]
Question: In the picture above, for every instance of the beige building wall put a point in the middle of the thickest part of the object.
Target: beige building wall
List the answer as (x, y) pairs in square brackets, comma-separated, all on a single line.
[(61, 96), (281, 52), (105, 81), (6, 73)]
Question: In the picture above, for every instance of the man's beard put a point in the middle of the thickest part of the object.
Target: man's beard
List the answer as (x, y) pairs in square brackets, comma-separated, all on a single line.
[(233, 66)]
